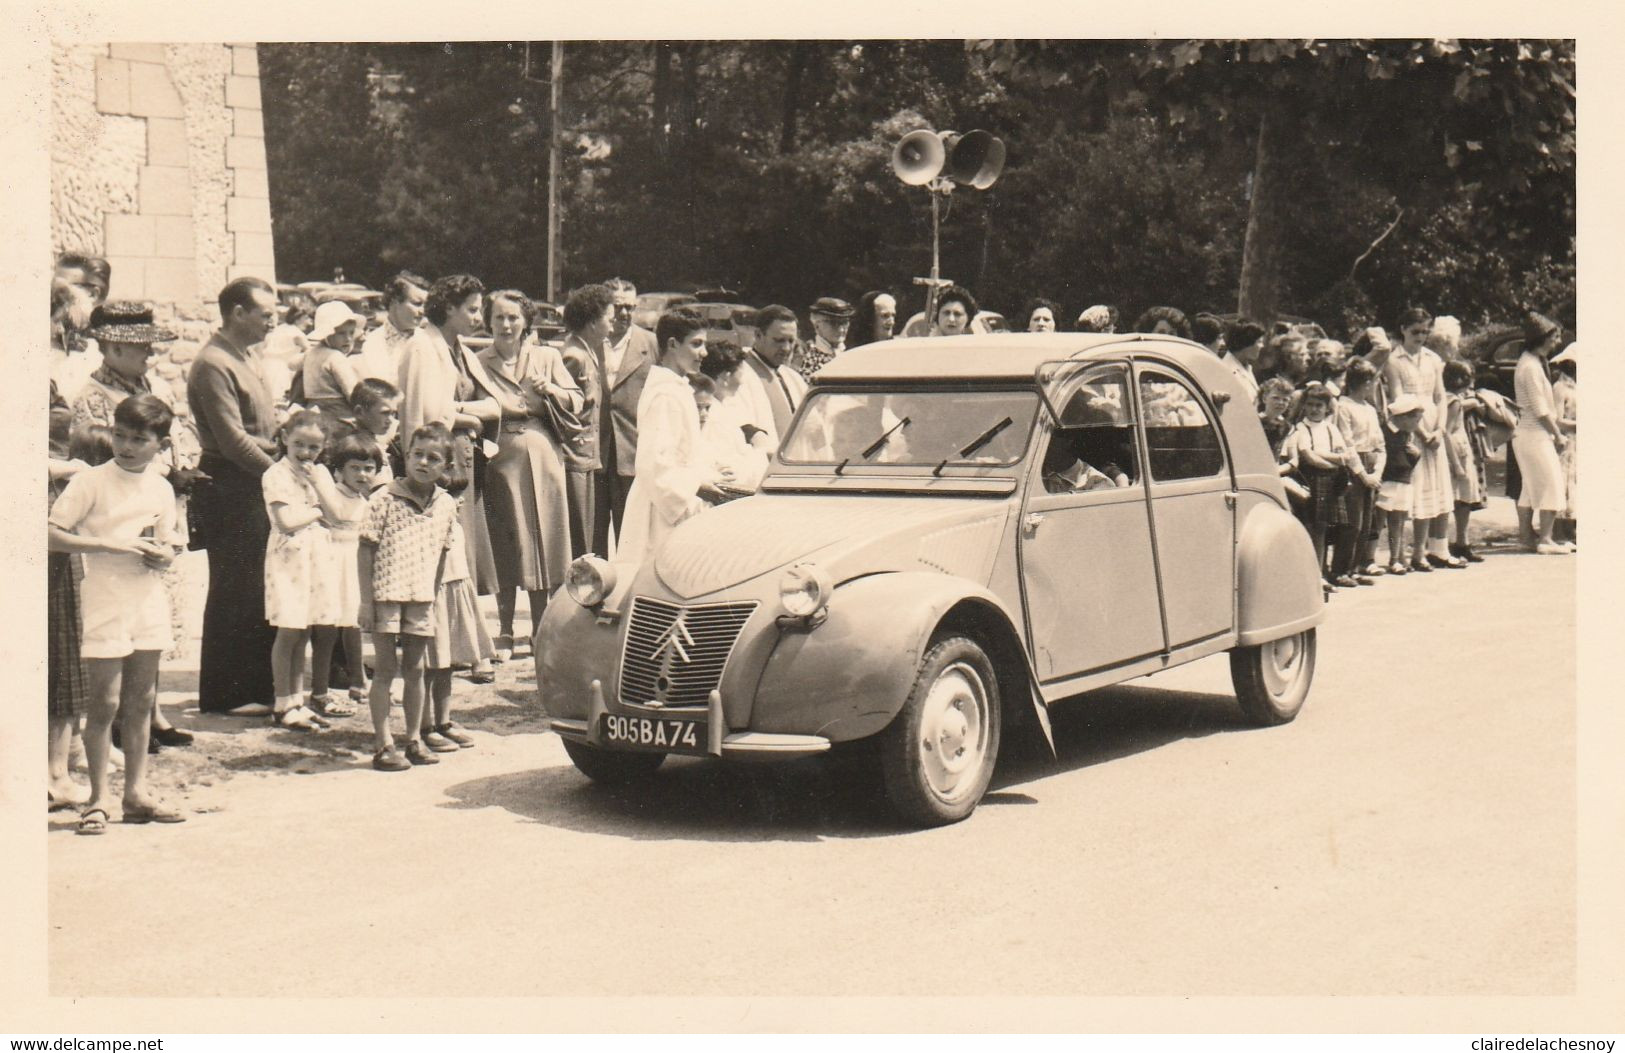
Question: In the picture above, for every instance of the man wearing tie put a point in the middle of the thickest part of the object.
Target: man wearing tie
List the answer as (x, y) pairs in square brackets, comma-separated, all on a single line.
[(769, 389), (627, 356)]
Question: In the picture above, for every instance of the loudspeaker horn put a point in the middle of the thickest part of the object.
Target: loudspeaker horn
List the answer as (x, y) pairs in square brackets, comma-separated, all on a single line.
[(918, 157), (975, 159)]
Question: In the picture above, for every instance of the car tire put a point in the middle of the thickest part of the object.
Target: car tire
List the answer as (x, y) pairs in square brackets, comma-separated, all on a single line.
[(612, 767), (938, 754), (1272, 679)]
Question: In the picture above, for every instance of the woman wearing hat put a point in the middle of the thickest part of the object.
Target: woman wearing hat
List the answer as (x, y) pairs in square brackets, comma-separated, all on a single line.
[(126, 335), (1538, 437)]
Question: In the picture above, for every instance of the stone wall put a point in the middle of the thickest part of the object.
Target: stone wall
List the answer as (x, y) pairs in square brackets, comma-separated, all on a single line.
[(158, 164)]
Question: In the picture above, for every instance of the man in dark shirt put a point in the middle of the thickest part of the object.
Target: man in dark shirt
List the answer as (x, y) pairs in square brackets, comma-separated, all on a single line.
[(235, 416)]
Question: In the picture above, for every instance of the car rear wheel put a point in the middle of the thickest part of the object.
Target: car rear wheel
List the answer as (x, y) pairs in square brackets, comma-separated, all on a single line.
[(1272, 679), (612, 767), (938, 754)]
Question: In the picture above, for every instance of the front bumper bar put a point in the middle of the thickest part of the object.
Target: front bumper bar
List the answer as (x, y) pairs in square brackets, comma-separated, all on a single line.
[(719, 741)]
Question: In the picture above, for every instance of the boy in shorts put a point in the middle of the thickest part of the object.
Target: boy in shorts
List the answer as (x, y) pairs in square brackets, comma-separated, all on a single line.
[(408, 529), (121, 517)]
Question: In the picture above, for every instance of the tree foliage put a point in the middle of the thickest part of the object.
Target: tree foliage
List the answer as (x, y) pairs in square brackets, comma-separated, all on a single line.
[(1132, 175)]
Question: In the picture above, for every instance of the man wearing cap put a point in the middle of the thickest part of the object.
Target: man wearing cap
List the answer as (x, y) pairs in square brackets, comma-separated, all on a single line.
[(628, 353), (831, 318), (382, 349), (235, 417)]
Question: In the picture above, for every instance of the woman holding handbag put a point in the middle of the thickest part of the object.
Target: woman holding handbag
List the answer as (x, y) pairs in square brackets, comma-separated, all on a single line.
[(526, 495)]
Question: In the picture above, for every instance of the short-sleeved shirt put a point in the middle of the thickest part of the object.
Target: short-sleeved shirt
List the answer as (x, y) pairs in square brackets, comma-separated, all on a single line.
[(108, 502), (1320, 436), (409, 537)]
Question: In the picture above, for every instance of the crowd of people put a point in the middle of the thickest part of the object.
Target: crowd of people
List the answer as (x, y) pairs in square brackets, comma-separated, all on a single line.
[(346, 478)]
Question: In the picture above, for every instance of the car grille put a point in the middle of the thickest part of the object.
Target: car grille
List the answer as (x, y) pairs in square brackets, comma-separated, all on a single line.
[(678, 664)]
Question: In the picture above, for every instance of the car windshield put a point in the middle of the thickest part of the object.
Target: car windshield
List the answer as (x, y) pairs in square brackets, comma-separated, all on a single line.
[(917, 428)]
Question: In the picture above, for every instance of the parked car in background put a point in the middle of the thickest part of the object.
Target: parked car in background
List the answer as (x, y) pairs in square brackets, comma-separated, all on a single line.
[(730, 324), (989, 322), (651, 305), (955, 534)]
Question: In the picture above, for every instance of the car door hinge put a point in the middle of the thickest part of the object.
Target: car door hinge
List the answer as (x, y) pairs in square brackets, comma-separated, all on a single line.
[(1230, 498)]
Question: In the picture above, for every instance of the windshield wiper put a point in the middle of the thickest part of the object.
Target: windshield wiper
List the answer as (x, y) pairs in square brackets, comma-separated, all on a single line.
[(976, 443), (874, 447)]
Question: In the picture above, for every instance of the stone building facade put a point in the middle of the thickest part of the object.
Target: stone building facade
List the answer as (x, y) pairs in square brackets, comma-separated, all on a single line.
[(158, 164)]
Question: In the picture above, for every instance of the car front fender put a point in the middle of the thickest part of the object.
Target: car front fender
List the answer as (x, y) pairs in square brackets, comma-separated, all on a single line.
[(850, 676), (1278, 581)]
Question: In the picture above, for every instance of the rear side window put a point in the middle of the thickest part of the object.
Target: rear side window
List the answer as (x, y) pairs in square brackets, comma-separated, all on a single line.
[(1181, 441)]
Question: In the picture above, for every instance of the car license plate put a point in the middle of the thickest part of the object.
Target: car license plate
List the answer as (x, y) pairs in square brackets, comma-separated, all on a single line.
[(652, 733)]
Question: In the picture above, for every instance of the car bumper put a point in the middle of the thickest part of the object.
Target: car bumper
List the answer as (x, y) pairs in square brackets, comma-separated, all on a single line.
[(719, 740)]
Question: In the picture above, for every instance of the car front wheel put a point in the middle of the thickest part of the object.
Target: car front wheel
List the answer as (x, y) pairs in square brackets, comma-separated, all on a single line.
[(1272, 679), (612, 767), (938, 754)]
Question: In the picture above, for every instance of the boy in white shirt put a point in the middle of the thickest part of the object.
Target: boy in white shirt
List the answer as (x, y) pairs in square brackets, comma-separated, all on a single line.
[(121, 517)]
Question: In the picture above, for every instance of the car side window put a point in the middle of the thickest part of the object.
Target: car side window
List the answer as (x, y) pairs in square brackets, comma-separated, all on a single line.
[(1181, 442), (1093, 446)]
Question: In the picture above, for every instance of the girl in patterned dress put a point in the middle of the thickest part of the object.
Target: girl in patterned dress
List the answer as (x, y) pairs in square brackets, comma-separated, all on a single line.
[(301, 501)]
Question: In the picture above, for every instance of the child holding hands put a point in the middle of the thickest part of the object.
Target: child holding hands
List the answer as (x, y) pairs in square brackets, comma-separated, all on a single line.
[(121, 517), (408, 530)]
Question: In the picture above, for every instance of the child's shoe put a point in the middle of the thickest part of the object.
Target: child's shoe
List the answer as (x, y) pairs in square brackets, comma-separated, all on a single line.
[(455, 732), (438, 742), (389, 759), (418, 755)]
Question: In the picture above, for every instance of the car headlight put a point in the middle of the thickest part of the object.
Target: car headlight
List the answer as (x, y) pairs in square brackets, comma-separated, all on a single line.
[(590, 580), (804, 590)]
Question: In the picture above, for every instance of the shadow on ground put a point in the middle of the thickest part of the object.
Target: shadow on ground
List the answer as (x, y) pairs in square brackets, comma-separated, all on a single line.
[(839, 795)]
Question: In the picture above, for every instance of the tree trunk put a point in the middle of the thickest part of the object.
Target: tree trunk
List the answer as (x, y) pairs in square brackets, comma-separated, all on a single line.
[(661, 109), (1267, 225), (800, 53)]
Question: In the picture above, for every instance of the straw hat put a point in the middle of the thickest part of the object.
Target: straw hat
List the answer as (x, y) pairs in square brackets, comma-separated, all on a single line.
[(126, 322)]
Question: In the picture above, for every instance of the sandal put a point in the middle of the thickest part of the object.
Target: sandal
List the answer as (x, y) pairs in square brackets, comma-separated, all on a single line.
[(1375, 570), (454, 732), (328, 706), (152, 813), (1397, 569), (388, 759), (418, 755), (93, 821)]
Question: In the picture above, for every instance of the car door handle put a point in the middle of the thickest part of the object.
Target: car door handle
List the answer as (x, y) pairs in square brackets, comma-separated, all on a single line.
[(1031, 523)]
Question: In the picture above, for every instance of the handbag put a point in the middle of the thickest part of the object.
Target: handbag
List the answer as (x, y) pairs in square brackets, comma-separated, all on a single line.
[(1500, 418)]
